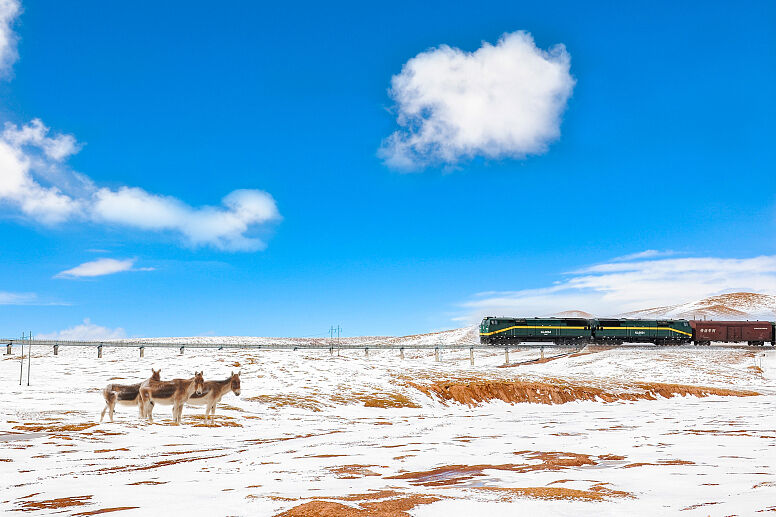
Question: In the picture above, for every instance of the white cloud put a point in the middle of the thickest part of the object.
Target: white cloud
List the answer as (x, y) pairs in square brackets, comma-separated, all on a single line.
[(7, 298), (34, 180), (87, 331), (223, 228), (9, 10), (35, 134), (646, 254), (19, 187), (502, 100), (101, 267), (618, 287)]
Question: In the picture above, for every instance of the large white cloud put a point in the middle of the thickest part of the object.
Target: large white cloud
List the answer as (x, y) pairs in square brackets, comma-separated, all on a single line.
[(34, 180), (502, 100), (619, 286)]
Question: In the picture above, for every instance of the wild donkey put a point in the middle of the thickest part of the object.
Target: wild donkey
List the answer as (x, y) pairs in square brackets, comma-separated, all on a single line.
[(126, 395), (212, 393), (175, 392)]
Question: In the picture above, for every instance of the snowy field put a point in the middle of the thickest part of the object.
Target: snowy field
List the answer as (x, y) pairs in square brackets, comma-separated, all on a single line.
[(315, 434)]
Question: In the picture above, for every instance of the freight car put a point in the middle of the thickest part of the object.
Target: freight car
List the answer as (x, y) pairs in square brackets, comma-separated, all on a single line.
[(751, 332), (570, 331)]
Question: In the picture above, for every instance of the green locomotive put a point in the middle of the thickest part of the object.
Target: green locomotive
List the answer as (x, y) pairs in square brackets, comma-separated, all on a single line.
[(570, 331)]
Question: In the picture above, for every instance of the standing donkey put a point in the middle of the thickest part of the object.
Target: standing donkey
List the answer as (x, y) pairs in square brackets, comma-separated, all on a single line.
[(125, 395), (175, 393), (212, 393)]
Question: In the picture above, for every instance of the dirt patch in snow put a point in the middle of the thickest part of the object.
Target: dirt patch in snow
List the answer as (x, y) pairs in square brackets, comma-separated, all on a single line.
[(106, 510), (379, 504), (36, 427), (51, 504), (353, 471), (597, 492), (560, 392), (536, 460)]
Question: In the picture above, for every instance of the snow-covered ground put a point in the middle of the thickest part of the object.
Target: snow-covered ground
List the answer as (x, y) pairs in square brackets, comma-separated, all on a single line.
[(350, 435)]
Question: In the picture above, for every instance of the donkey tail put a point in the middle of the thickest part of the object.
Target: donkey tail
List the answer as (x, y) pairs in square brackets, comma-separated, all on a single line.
[(110, 397)]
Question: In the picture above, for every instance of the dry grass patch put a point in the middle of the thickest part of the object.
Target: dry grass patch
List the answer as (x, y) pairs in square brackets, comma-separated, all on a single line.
[(51, 428), (385, 503), (597, 492), (106, 510), (473, 393), (283, 400), (447, 475), (51, 504)]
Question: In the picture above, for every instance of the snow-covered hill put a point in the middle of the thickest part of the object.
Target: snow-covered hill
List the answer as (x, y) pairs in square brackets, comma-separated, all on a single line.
[(732, 306)]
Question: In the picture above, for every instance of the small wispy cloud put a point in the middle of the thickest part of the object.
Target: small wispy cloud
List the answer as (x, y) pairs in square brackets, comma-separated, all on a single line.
[(620, 286), (9, 10), (86, 331), (500, 101), (646, 254), (7, 298), (101, 267)]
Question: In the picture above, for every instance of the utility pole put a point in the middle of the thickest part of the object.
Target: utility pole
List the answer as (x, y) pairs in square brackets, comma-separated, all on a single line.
[(29, 358), (339, 329), (21, 362)]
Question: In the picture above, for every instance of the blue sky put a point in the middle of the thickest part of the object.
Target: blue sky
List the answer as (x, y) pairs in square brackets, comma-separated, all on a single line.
[(663, 122)]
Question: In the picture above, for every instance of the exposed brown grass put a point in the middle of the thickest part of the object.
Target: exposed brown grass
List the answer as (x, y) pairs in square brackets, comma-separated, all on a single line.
[(52, 504), (454, 474), (284, 400), (597, 492), (473, 393), (106, 510), (353, 471), (391, 507), (51, 428), (661, 462)]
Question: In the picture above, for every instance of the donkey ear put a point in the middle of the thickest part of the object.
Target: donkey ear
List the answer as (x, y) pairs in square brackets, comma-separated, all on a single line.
[(232, 373), (239, 372)]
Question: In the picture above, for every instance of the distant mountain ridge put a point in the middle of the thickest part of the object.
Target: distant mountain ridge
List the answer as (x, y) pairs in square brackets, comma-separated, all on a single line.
[(731, 306)]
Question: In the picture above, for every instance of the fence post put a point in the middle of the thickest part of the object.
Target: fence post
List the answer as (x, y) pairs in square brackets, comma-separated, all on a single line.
[(366, 352), (471, 355), (56, 349), (8, 349), (142, 351), (541, 349), (331, 350), (99, 351), (182, 350), (401, 353), (506, 355), (436, 354)]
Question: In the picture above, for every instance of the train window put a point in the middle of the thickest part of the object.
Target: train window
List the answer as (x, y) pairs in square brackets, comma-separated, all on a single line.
[(492, 322)]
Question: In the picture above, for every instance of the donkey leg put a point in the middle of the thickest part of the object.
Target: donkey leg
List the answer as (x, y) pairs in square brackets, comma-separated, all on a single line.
[(102, 415)]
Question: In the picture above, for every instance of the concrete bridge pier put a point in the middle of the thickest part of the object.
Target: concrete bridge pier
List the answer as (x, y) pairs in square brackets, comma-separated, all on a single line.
[(142, 351), (471, 356), (56, 349)]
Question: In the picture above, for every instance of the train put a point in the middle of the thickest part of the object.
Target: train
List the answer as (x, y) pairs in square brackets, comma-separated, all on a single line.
[(614, 331)]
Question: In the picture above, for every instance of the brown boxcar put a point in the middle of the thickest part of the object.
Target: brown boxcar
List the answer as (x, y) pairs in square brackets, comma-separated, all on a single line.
[(751, 332)]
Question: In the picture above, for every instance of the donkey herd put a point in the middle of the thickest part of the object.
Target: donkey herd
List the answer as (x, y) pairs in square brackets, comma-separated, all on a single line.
[(176, 392)]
